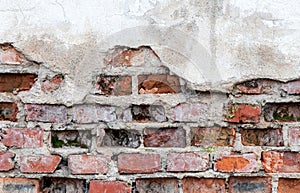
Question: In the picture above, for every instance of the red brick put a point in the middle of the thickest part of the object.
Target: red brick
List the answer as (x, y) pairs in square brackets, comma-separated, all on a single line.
[(250, 184), (237, 163), (16, 82), (288, 185), (22, 137), (157, 185), (262, 137), (71, 138), (164, 137), (8, 111), (294, 136), (243, 113), (93, 113), (114, 85), (158, 84), (97, 186), (190, 112), (125, 56), (139, 163), (282, 112), (145, 113), (6, 162), (203, 185), (51, 84), (258, 86), (293, 87), (19, 185), (39, 164), (212, 136), (9, 55), (193, 162), (46, 113), (283, 162), (88, 164)]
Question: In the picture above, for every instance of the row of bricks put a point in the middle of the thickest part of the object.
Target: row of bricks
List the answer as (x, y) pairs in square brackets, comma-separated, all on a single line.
[(129, 163), (171, 185), (152, 137), (184, 112)]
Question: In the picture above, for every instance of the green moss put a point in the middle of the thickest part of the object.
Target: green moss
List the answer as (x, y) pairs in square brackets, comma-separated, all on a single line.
[(298, 118), (56, 142), (210, 149), (285, 117)]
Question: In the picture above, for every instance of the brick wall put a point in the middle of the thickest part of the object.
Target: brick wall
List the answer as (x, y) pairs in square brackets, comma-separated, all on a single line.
[(141, 128)]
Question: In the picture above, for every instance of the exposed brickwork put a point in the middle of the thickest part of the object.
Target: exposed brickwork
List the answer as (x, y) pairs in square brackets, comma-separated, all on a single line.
[(145, 113), (57, 185), (203, 185), (262, 137), (20, 185), (46, 113), (282, 112), (8, 111), (121, 138), (193, 112), (157, 185), (158, 84), (250, 184), (288, 185), (22, 137), (260, 86), (294, 136), (212, 136), (6, 162), (114, 85), (139, 163), (164, 137), (97, 186), (94, 113), (9, 55), (237, 163), (51, 84), (181, 162), (39, 164), (243, 113), (88, 164), (16, 82)]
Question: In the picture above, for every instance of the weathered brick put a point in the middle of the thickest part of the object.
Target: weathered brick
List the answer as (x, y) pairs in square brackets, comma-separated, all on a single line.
[(22, 137), (125, 56), (164, 137), (16, 82), (190, 112), (262, 137), (158, 84), (243, 113), (121, 137), (139, 163), (97, 186), (258, 86), (114, 85), (212, 136), (71, 138), (39, 164), (286, 162), (237, 163), (93, 113), (168, 185), (8, 111), (63, 185), (193, 162), (9, 55), (6, 162), (145, 113), (288, 185), (282, 112), (294, 136), (19, 185), (203, 185), (46, 113), (292, 87), (88, 164), (250, 184), (51, 84)]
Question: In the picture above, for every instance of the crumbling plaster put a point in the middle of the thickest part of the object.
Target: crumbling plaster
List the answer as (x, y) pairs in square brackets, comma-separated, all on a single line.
[(211, 43)]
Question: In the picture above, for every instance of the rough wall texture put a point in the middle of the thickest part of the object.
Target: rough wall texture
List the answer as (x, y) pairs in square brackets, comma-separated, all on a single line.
[(149, 96)]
